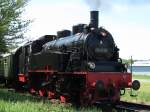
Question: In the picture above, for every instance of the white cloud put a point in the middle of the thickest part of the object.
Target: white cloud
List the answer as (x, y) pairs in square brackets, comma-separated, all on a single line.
[(48, 19), (133, 40), (120, 8)]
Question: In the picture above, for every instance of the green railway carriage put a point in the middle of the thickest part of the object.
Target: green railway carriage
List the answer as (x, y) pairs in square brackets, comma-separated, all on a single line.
[(2, 79), (7, 68)]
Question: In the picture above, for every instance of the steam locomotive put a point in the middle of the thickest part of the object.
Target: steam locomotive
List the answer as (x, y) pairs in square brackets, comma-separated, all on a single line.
[(81, 66)]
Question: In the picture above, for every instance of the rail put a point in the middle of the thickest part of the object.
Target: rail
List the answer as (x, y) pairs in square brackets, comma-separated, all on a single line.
[(123, 106)]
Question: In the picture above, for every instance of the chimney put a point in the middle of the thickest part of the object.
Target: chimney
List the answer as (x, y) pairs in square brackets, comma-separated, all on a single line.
[(94, 19)]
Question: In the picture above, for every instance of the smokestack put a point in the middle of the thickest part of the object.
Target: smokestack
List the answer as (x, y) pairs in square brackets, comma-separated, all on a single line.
[(94, 19)]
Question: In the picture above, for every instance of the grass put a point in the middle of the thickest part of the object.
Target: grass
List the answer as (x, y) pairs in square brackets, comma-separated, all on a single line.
[(143, 94), (15, 102), (145, 77)]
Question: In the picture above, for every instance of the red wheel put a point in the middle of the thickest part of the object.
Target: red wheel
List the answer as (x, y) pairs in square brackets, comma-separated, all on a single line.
[(42, 92), (63, 99), (85, 99), (51, 95)]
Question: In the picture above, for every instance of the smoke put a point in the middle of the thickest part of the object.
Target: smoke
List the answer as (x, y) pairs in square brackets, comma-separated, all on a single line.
[(98, 4), (105, 5), (93, 4)]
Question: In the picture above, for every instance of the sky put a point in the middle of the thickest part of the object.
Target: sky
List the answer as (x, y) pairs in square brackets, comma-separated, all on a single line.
[(127, 20)]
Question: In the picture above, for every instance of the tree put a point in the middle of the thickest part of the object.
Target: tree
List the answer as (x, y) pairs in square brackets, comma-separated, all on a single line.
[(12, 27), (128, 61)]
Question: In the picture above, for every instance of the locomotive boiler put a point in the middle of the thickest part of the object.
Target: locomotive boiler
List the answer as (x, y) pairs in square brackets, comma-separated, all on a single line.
[(82, 66), (90, 48)]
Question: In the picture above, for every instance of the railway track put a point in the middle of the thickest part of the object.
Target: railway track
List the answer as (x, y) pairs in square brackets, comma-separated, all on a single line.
[(131, 107)]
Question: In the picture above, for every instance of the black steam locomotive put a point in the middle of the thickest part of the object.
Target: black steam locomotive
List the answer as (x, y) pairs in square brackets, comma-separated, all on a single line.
[(83, 64)]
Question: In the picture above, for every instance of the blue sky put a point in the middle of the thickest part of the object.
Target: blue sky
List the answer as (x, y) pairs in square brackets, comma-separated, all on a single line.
[(127, 20)]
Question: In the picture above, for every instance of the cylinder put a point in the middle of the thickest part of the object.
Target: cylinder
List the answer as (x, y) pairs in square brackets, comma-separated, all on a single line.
[(94, 19)]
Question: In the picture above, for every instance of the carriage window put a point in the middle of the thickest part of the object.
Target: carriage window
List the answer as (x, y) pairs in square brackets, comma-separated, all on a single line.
[(5, 61)]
